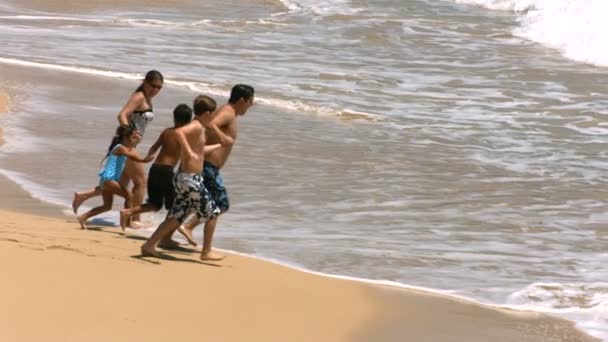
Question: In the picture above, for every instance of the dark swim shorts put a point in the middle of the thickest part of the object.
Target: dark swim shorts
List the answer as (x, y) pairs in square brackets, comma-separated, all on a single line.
[(160, 186), (215, 185)]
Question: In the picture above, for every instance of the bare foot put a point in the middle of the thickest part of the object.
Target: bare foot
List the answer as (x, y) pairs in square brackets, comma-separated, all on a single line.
[(83, 223), (149, 251), (169, 244), (211, 256), (77, 201), (187, 233), (136, 225), (124, 219)]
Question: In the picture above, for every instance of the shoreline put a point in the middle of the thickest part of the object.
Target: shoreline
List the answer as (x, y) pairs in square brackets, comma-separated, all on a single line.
[(97, 286), (98, 276), (3, 111)]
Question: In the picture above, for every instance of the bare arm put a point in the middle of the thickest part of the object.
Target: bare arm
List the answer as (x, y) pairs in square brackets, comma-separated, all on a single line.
[(132, 154), (223, 118), (210, 148), (134, 102), (159, 142)]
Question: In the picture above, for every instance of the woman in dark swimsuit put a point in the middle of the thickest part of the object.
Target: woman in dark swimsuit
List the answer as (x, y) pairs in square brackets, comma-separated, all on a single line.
[(136, 113)]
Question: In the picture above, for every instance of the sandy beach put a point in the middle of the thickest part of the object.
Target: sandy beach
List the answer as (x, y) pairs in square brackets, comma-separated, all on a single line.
[(61, 283), (65, 284)]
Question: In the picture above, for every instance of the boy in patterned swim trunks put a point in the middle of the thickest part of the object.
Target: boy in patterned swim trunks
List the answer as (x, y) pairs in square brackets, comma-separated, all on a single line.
[(222, 129), (191, 196), (160, 176)]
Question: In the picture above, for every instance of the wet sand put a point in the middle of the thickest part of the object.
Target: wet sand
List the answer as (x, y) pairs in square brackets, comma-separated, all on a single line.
[(3, 111)]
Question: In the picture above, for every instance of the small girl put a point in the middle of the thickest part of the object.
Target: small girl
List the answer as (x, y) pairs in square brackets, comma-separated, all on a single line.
[(121, 148)]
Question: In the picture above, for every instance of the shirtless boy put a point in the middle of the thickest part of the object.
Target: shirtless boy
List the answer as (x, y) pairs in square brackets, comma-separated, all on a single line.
[(190, 192), (222, 129), (160, 176)]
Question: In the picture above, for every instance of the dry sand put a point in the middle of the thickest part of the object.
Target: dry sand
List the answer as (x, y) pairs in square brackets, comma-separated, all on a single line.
[(65, 284)]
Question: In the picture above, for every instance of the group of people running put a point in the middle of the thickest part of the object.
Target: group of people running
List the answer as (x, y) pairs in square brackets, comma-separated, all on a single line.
[(184, 176)]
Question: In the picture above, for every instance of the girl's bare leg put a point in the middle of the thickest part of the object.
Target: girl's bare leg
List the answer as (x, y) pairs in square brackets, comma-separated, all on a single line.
[(106, 206), (81, 196), (110, 188)]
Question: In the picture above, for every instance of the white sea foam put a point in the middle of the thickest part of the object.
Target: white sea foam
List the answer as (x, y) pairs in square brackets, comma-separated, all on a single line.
[(585, 303), (505, 5), (50, 18), (36, 190), (18, 139), (137, 22), (216, 90), (321, 7), (574, 27), (82, 70)]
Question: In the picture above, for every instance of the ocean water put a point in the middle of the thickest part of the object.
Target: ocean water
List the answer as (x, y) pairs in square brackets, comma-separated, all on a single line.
[(452, 145)]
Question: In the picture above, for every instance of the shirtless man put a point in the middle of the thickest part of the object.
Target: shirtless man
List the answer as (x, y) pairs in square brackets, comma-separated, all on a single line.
[(223, 130), (190, 192), (160, 176)]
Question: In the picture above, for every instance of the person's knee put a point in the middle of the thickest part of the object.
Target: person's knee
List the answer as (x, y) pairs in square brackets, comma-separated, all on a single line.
[(140, 182)]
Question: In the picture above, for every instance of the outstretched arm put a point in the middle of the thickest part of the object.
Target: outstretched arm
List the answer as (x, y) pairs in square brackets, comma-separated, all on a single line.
[(154, 148), (134, 102), (210, 148), (132, 154)]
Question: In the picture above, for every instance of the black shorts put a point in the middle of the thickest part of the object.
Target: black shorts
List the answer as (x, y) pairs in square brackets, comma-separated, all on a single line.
[(160, 186)]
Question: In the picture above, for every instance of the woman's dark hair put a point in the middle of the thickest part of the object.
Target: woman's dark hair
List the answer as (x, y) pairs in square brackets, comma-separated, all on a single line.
[(121, 132), (240, 91), (150, 76)]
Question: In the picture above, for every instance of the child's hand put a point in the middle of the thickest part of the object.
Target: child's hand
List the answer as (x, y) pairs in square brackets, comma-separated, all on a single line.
[(226, 140), (193, 156)]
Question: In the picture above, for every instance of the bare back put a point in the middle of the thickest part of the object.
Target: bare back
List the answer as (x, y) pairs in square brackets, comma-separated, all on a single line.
[(225, 120), (194, 133), (170, 148)]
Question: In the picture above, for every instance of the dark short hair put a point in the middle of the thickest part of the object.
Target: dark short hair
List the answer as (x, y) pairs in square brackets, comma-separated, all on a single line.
[(203, 104), (241, 91), (182, 114)]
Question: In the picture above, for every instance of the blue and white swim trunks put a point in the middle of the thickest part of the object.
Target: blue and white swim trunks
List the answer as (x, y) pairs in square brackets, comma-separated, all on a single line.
[(192, 196)]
